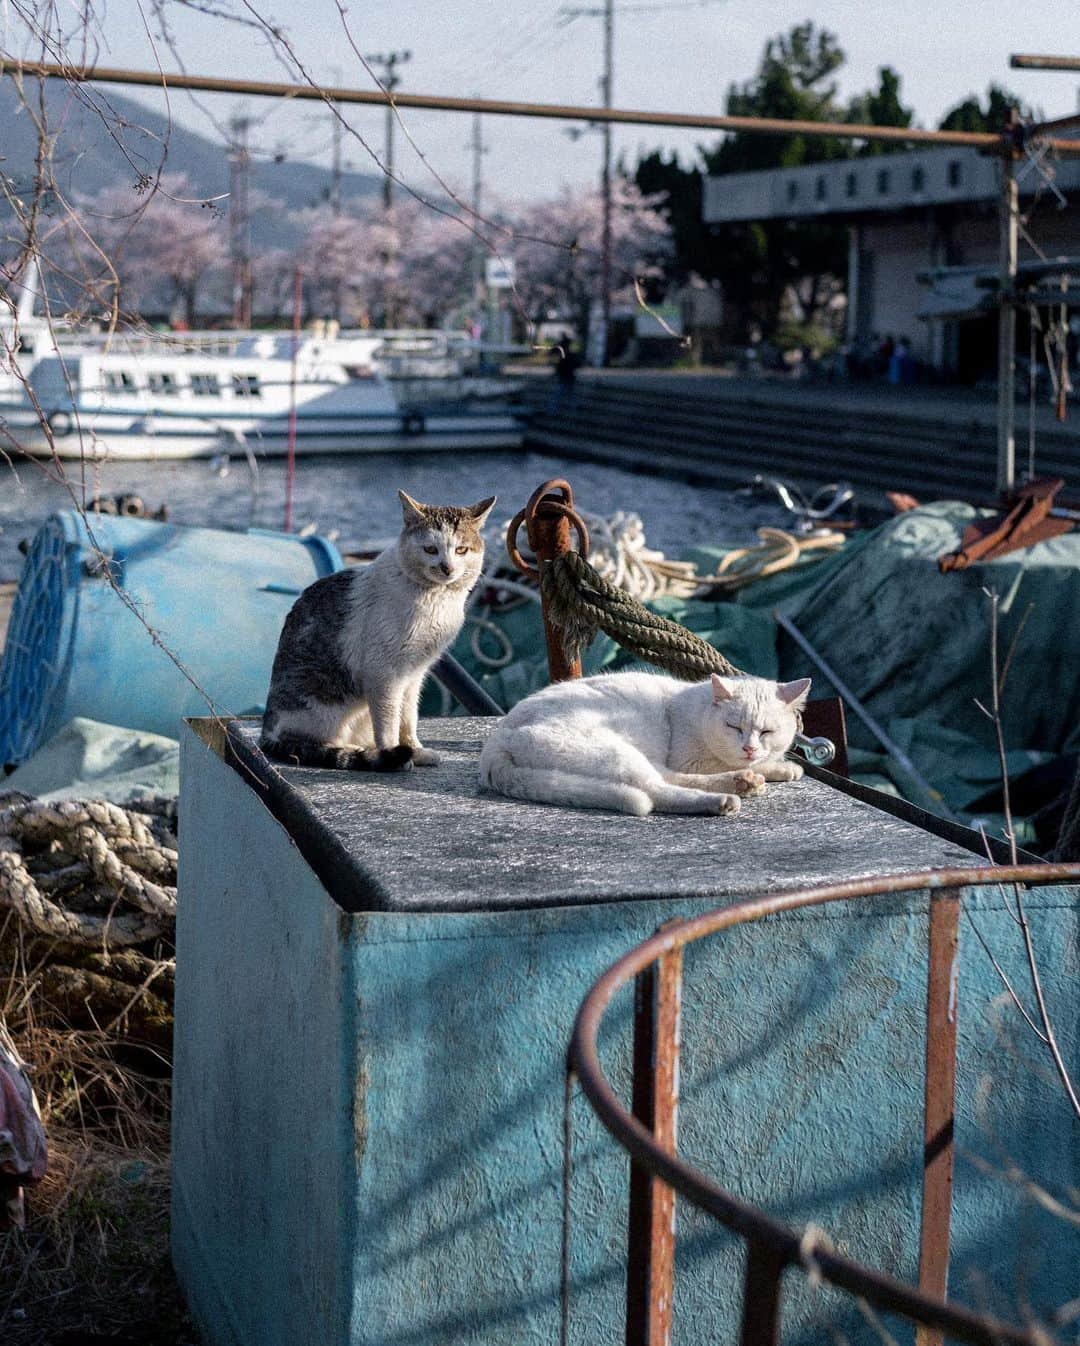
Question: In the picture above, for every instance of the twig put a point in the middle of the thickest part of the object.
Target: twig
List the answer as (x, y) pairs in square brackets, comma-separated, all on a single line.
[(1021, 915)]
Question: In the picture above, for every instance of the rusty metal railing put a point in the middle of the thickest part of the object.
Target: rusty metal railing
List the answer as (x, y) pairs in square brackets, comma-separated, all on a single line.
[(648, 1131)]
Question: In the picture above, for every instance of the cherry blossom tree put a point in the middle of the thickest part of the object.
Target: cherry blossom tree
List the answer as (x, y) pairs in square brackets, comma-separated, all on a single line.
[(405, 265), (557, 248), (163, 246)]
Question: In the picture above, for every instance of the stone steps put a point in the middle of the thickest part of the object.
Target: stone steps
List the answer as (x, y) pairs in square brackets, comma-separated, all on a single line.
[(708, 438)]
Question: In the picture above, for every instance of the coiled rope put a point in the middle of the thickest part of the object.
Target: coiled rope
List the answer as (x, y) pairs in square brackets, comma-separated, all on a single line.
[(106, 854), (777, 550)]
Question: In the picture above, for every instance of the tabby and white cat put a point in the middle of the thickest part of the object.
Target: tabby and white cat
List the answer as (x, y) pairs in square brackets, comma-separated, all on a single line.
[(639, 742), (357, 645)]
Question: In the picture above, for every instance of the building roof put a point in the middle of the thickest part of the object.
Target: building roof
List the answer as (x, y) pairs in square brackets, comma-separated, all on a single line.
[(884, 183)]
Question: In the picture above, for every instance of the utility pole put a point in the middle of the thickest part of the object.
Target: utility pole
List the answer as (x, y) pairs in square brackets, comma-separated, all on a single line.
[(607, 13), (479, 149), (240, 219), (335, 161), (1008, 221), (605, 244), (390, 81)]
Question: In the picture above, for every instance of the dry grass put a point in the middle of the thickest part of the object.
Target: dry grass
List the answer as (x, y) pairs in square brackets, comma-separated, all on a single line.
[(92, 1264)]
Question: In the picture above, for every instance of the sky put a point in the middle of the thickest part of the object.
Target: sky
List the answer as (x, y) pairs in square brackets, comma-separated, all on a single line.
[(671, 55)]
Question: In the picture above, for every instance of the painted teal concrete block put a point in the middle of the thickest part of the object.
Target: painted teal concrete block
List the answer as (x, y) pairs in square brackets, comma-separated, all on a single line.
[(369, 1104)]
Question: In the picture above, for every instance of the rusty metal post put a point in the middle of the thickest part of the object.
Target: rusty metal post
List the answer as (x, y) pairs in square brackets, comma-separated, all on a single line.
[(825, 717), (548, 518), (650, 1267), (941, 998)]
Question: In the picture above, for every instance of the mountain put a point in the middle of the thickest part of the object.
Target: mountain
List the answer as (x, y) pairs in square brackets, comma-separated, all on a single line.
[(93, 151)]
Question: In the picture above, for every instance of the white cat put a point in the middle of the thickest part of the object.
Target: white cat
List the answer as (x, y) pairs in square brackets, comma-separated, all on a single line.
[(639, 742)]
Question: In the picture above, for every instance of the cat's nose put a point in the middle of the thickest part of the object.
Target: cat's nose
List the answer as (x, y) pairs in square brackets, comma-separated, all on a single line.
[(444, 568)]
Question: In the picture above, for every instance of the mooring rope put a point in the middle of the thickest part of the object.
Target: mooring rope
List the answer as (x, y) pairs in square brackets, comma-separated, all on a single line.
[(581, 603), (106, 852)]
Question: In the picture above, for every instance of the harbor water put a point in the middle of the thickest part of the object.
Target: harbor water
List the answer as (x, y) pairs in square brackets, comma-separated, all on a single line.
[(354, 499)]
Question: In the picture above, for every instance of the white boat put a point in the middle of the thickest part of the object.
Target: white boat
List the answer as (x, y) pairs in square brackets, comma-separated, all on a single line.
[(167, 398)]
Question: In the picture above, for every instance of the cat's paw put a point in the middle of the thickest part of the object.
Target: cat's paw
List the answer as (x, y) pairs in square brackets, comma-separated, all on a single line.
[(779, 771), (748, 782), (723, 806), (425, 757), (391, 759)]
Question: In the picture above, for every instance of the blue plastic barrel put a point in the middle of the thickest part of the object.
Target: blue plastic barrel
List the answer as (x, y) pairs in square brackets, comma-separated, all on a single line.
[(76, 645)]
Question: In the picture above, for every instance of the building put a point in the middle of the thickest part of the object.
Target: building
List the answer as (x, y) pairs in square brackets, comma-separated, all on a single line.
[(910, 214)]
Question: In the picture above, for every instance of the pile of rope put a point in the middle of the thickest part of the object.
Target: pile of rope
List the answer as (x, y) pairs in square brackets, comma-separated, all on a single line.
[(617, 552), (82, 883), (117, 878), (777, 550)]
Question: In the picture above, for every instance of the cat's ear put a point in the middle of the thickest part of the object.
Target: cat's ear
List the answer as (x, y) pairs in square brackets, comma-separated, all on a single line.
[(412, 510), (794, 693), (481, 510), (721, 690)]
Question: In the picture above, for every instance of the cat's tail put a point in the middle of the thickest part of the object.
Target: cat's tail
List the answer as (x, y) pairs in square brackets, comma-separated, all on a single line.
[(299, 750), (549, 785)]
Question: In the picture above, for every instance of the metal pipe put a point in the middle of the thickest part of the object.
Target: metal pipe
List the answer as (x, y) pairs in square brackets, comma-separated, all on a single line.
[(902, 135), (891, 747), (883, 1292), (1020, 62), (464, 688), (650, 1254), (939, 1105), (1008, 220)]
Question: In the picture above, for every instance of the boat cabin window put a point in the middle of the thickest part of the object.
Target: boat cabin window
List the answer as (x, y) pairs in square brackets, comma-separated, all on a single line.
[(119, 381), (246, 385), (205, 385), (162, 382)]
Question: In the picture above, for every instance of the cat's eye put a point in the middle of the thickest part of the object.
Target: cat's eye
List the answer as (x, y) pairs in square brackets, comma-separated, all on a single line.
[(461, 550), (432, 551)]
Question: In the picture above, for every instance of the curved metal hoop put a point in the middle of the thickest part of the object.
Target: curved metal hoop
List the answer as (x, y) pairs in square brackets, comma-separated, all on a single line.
[(782, 1244), (544, 502)]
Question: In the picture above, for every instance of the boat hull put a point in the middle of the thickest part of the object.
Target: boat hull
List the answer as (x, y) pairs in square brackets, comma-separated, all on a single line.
[(104, 439)]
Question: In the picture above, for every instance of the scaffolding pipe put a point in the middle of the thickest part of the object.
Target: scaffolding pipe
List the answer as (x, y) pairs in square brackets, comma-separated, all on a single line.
[(1008, 215), (1020, 62), (900, 135)]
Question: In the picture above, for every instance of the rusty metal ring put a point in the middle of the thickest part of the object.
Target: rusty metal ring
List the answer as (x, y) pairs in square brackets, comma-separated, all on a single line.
[(512, 551), (569, 513), (554, 486)]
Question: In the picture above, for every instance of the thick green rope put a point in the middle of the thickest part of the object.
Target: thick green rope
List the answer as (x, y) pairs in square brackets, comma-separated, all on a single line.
[(580, 603)]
